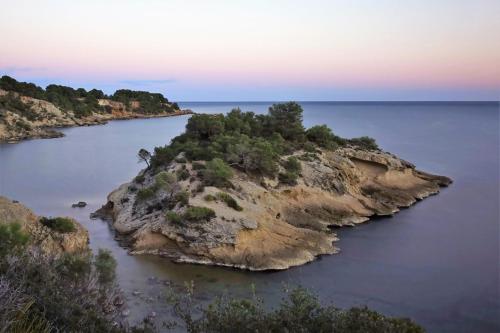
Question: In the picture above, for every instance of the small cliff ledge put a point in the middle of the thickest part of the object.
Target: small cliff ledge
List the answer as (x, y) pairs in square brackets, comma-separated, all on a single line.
[(49, 240), (243, 211)]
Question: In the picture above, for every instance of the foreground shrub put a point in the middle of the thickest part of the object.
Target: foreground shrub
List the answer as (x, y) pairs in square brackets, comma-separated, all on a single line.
[(229, 200), (59, 224), (145, 193), (300, 311), (292, 164), (182, 197), (173, 217), (12, 238), (198, 214)]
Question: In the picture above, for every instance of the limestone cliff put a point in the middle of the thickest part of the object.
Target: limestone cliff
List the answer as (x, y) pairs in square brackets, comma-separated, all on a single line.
[(49, 241), (273, 226)]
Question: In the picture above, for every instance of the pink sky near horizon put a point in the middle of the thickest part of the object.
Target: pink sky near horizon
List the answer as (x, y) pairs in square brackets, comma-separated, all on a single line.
[(239, 49)]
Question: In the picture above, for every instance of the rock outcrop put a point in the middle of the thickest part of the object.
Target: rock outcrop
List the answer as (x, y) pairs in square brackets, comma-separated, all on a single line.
[(39, 118), (277, 226), (49, 241)]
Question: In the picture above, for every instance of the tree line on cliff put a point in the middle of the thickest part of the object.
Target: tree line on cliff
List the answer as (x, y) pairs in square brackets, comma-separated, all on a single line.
[(84, 103)]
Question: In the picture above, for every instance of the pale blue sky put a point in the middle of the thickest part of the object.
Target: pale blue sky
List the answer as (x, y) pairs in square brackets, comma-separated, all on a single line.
[(259, 50)]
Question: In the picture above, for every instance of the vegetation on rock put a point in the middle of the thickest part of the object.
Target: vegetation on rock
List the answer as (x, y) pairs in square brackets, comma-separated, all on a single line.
[(59, 224), (254, 143)]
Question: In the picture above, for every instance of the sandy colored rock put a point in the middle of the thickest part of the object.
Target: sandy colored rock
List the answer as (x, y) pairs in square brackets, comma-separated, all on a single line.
[(279, 226), (51, 242)]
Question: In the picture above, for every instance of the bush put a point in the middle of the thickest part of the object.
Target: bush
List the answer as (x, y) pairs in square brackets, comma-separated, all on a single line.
[(12, 238), (229, 200), (292, 164), (288, 178), (323, 137), (209, 197), (59, 224), (145, 193), (164, 180), (105, 265), (300, 311), (173, 217), (198, 214), (364, 142), (182, 197), (217, 173), (182, 174), (140, 179)]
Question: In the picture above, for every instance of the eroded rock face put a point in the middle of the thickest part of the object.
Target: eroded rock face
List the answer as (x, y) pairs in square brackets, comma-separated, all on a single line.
[(278, 226), (51, 242)]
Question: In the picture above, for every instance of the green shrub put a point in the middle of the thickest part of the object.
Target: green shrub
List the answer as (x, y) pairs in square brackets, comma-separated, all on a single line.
[(140, 179), (209, 197), (145, 193), (59, 224), (292, 164), (182, 174), (229, 200), (105, 265), (173, 217), (198, 214), (182, 197), (163, 180), (288, 178), (217, 173), (299, 311), (12, 238), (364, 142)]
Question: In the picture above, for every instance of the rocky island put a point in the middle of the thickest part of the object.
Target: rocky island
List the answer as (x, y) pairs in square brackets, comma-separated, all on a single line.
[(259, 192), (28, 111)]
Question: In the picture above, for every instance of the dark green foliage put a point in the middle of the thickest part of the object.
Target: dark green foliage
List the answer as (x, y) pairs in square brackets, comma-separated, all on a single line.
[(249, 142), (205, 126), (322, 135), (59, 224), (229, 200), (12, 238), (105, 265), (292, 164), (164, 180), (149, 103), (364, 142), (182, 174), (182, 197), (300, 311), (14, 104), (288, 178), (140, 179), (217, 173), (145, 193), (28, 89), (286, 119), (198, 214), (173, 217), (84, 103)]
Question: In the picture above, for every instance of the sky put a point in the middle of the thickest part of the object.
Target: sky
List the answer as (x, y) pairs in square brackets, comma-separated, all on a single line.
[(189, 50)]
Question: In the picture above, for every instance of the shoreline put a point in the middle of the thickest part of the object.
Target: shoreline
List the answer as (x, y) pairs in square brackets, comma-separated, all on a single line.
[(51, 132)]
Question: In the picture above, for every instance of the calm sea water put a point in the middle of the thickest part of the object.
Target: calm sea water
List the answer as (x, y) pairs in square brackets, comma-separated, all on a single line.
[(437, 262)]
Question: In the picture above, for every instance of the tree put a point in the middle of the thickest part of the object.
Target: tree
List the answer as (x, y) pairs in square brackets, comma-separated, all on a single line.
[(144, 156), (286, 119), (322, 135)]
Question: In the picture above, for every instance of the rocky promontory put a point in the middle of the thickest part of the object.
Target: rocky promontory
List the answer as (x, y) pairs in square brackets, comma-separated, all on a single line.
[(30, 112), (53, 241), (259, 199)]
